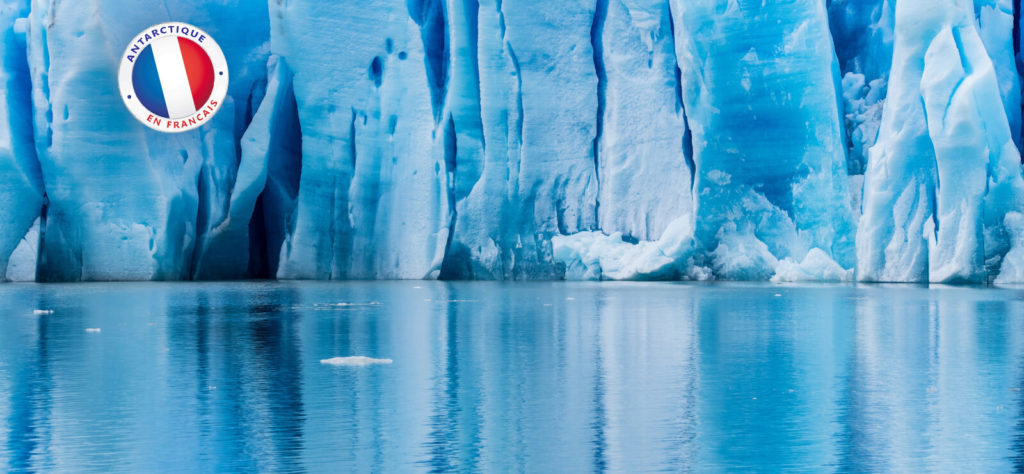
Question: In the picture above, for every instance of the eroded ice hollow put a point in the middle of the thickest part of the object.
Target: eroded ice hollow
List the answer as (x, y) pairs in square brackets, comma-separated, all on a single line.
[(816, 140)]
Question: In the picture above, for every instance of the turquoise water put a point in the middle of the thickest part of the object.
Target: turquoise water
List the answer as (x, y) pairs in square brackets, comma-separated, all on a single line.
[(540, 377)]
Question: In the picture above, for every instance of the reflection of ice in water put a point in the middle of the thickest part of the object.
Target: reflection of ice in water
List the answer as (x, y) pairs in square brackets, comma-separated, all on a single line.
[(92, 329), (354, 361)]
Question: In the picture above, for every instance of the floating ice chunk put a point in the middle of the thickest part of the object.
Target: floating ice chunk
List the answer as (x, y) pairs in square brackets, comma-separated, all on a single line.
[(40, 312), (92, 329), (354, 361), (817, 266), (343, 306)]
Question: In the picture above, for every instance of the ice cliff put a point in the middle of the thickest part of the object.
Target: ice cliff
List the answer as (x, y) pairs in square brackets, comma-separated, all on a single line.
[(876, 140)]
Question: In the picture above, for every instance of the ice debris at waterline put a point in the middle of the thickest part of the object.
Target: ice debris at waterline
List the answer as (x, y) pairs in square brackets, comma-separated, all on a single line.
[(520, 139), (354, 361)]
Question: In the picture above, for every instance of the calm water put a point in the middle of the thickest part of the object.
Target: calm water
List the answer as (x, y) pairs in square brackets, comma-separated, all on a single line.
[(508, 377)]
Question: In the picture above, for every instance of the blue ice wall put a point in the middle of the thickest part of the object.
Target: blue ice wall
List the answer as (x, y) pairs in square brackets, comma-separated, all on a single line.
[(373, 194), (519, 139), (759, 86), (863, 32), (945, 171), (531, 174), (125, 202), (21, 186)]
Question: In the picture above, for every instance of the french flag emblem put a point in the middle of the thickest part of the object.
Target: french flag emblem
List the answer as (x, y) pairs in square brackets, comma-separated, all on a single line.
[(173, 77)]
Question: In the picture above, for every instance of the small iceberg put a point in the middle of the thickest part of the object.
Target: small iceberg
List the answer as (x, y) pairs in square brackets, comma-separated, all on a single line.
[(354, 361), (92, 329), (344, 306), (40, 312)]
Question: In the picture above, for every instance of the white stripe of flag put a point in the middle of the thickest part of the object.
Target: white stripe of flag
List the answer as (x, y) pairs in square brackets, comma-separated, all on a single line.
[(170, 66)]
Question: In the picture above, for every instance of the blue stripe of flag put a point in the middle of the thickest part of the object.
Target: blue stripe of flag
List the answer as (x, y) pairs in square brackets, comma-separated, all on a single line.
[(146, 81)]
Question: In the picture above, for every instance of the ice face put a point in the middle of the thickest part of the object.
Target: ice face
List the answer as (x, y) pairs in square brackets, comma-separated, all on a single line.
[(642, 148), (21, 195), (519, 139), (538, 109), (995, 26), (372, 199), (245, 242), (759, 86), (862, 31), (125, 202), (945, 169)]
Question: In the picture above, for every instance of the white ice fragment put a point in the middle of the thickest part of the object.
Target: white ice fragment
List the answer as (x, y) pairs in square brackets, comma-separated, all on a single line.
[(343, 306), (92, 329), (596, 256), (816, 266), (40, 312), (354, 361)]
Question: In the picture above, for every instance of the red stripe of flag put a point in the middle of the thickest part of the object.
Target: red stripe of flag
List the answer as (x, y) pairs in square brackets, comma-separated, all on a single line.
[(199, 70)]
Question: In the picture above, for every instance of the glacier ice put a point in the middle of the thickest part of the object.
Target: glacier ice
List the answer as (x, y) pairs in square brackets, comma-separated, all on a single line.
[(945, 169), (863, 32), (533, 173), (264, 190), (372, 199), (595, 255), (21, 196), (757, 80), (125, 203), (1012, 270), (642, 148), (995, 19), (21, 266), (875, 140), (816, 266)]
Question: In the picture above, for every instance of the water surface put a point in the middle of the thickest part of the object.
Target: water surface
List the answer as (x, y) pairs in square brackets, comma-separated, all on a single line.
[(540, 377)]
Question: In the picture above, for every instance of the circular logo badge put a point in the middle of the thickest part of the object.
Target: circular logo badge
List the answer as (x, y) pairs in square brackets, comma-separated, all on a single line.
[(173, 77)]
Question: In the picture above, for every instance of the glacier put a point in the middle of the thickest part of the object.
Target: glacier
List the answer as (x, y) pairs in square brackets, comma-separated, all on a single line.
[(21, 186), (945, 170), (810, 140)]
